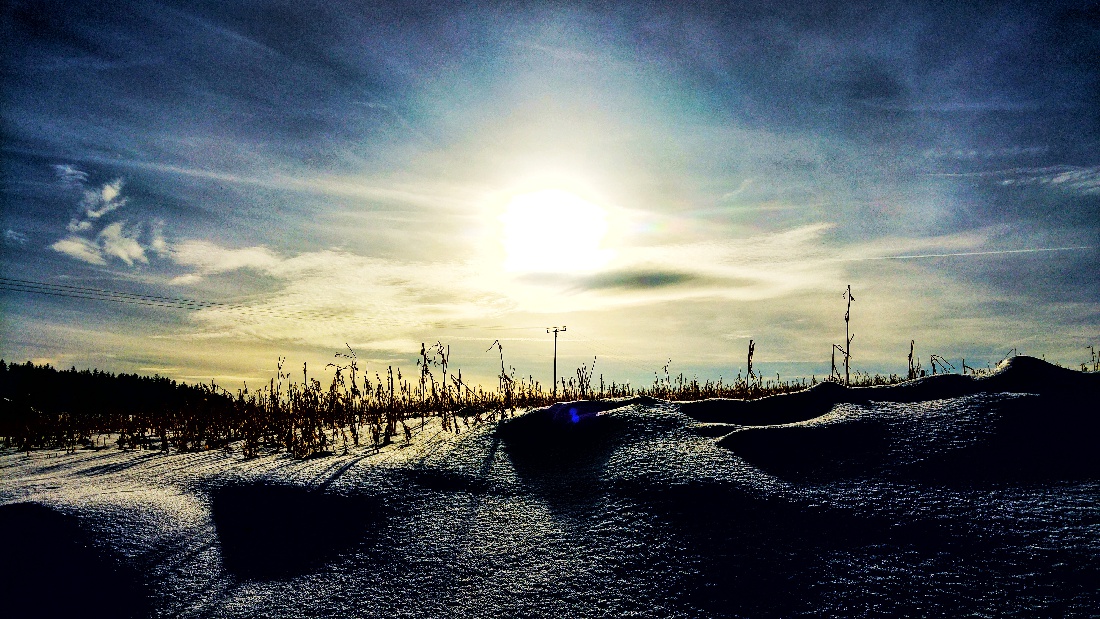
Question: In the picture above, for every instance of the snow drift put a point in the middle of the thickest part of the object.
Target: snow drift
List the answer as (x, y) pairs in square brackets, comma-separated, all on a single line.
[(948, 496), (1016, 375)]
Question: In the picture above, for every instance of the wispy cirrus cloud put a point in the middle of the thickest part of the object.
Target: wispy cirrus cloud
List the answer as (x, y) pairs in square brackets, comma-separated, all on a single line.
[(329, 297), (96, 202), (975, 154), (117, 241), (114, 240), (362, 293), (14, 237), (158, 244), (359, 297), (70, 176), (80, 248), (1083, 180), (1079, 180), (205, 258)]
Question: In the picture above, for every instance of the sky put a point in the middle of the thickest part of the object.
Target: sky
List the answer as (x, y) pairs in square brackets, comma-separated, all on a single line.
[(303, 179)]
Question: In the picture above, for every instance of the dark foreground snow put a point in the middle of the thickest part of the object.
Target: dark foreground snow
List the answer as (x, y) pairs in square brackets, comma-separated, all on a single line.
[(983, 501)]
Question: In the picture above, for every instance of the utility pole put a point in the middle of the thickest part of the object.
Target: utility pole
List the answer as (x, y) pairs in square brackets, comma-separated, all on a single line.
[(847, 337), (752, 349), (555, 331)]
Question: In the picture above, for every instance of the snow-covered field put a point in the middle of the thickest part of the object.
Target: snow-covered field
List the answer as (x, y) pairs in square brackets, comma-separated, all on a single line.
[(985, 504)]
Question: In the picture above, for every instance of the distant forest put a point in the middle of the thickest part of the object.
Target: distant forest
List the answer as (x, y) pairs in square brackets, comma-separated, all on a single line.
[(45, 407)]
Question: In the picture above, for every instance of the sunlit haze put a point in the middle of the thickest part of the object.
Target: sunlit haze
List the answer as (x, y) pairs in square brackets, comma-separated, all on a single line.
[(196, 189)]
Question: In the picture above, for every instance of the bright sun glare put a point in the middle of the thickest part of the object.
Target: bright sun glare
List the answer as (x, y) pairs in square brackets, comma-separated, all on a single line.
[(553, 231)]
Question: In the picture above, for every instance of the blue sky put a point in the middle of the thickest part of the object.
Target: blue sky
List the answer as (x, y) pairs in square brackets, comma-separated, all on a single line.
[(357, 173)]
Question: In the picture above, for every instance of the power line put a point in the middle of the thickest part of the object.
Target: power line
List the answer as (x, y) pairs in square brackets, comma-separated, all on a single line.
[(130, 298), (148, 300), (81, 292)]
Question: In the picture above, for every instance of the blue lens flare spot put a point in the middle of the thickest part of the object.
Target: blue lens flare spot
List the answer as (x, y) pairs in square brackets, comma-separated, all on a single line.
[(573, 415)]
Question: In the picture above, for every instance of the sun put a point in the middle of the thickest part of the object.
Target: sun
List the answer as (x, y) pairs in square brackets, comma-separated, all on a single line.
[(553, 231)]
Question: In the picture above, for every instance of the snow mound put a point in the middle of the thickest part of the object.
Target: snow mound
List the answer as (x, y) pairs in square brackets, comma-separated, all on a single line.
[(273, 531), (1019, 374), (997, 435), (565, 423), (570, 414), (55, 569), (596, 509), (566, 447)]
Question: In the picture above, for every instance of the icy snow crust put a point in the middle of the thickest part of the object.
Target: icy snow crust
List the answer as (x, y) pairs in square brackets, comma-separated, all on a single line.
[(954, 500)]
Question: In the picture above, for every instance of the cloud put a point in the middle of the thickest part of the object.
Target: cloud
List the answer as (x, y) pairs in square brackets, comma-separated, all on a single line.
[(231, 36), (1080, 180), (329, 296), (115, 240), (991, 252), (11, 237), (757, 267), (973, 154), (158, 244), (745, 184), (1073, 179), (209, 259), (70, 176), (558, 52), (80, 248), (641, 279), (624, 280), (97, 203)]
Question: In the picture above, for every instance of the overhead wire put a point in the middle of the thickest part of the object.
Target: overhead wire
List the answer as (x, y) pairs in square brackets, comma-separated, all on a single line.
[(148, 300), (131, 298)]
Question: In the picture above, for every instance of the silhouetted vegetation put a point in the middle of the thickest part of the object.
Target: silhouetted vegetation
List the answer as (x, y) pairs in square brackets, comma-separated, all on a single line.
[(43, 407)]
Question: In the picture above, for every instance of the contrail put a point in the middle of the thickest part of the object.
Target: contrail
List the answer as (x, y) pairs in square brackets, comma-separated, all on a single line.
[(968, 253)]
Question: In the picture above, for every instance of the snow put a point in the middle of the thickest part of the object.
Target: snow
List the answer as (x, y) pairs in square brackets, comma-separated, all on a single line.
[(975, 503)]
